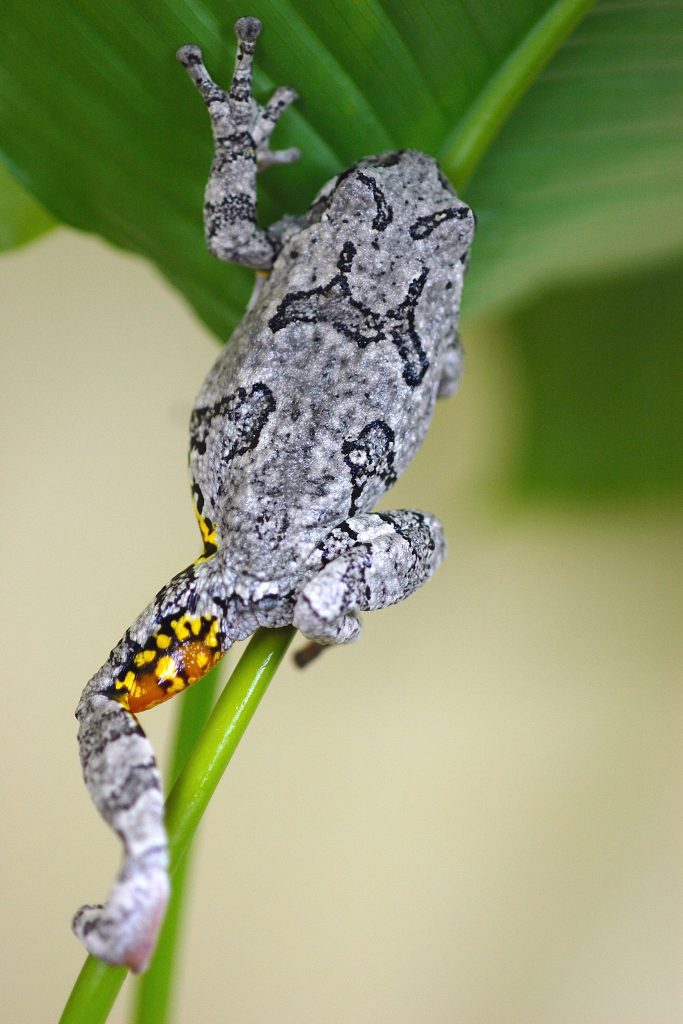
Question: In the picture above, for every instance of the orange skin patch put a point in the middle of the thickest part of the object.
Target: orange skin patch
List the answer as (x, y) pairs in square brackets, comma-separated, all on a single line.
[(169, 665), (187, 664)]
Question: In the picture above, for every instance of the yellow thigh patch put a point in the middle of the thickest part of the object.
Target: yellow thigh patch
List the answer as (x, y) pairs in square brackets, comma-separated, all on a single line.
[(178, 655)]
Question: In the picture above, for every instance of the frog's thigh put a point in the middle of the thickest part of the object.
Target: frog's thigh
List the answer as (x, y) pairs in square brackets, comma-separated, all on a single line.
[(389, 555)]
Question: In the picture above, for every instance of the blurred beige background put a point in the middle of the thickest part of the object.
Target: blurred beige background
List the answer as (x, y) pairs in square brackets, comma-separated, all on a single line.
[(471, 816)]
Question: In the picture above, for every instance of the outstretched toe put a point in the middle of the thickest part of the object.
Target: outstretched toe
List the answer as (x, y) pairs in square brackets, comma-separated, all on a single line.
[(268, 158), (265, 123), (189, 54), (248, 29), (125, 931)]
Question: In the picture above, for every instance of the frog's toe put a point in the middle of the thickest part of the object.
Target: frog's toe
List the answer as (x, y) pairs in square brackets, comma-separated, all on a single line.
[(248, 29), (189, 54), (270, 158), (124, 932)]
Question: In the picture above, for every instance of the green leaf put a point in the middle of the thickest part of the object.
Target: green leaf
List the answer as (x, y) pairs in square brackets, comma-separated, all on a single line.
[(112, 138), (21, 218), (604, 388), (587, 175)]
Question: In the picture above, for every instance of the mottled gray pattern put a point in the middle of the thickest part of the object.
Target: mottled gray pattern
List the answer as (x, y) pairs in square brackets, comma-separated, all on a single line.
[(317, 404), (121, 775), (351, 327)]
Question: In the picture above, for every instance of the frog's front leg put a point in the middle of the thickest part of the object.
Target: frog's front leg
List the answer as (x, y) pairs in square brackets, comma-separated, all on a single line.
[(371, 561), (241, 130)]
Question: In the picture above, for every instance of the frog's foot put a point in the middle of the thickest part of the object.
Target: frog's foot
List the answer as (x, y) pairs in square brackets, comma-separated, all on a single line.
[(371, 561), (122, 778), (308, 653), (125, 930), (237, 110), (241, 129)]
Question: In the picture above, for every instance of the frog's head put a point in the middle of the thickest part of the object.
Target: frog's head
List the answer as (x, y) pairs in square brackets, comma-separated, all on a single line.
[(395, 201)]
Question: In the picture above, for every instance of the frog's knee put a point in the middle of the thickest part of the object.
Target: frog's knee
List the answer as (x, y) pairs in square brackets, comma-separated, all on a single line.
[(320, 614)]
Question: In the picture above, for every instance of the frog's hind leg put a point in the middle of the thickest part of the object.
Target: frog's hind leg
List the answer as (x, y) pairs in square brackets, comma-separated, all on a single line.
[(241, 129), (123, 780), (371, 561), (176, 640)]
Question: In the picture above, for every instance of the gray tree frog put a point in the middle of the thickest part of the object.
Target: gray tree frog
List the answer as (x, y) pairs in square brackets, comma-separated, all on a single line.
[(308, 416)]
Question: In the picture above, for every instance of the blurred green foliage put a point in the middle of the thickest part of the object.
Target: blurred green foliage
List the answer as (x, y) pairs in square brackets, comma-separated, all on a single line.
[(585, 179), (604, 415), (22, 218)]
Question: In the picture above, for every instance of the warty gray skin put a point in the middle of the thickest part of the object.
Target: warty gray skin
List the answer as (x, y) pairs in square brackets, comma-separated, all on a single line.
[(310, 413)]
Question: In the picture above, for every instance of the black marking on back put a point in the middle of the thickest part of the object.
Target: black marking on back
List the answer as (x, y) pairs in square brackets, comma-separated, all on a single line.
[(424, 226), (386, 159), (369, 455), (316, 209), (346, 258), (243, 415), (334, 304), (385, 214)]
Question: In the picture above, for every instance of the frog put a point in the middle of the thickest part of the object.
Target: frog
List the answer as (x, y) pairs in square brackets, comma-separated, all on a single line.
[(309, 415)]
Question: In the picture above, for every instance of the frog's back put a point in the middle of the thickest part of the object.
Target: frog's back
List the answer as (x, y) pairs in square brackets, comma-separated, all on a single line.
[(326, 388)]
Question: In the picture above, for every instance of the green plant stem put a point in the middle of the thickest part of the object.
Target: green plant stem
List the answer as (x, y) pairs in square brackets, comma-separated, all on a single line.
[(221, 735), (97, 986), (474, 134), (94, 993), (154, 989)]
